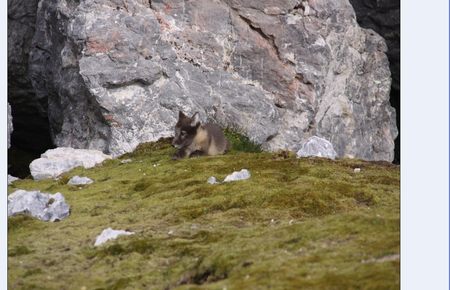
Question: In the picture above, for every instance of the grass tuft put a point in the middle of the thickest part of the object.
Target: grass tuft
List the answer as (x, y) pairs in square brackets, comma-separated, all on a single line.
[(19, 251), (240, 142)]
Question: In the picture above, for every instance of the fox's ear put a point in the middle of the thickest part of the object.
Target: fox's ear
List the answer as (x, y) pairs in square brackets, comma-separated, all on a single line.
[(195, 120), (181, 115)]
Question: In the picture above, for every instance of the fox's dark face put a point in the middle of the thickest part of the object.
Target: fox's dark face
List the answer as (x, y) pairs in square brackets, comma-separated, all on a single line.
[(185, 130)]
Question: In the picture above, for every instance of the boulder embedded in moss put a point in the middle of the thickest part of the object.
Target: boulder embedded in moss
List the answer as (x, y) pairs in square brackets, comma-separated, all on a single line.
[(43, 206)]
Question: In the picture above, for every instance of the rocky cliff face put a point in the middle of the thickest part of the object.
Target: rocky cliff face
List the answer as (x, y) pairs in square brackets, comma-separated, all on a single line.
[(384, 18), (115, 73)]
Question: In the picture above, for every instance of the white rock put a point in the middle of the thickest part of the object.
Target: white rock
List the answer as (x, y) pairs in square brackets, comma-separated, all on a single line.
[(238, 175), (10, 125), (357, 170), (44, 206), (126, 161), (212, 180), (307, 8), (56, 161), (110, 234), (11, 179), (318, 147), (77, 180)]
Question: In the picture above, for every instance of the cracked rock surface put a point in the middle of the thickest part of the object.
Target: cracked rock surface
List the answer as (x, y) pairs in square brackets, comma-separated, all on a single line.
[(117, 72)]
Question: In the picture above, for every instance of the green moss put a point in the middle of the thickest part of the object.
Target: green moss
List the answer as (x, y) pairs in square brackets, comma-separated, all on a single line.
[(19, 251), (296, 223), (16, 222), (141, 246)]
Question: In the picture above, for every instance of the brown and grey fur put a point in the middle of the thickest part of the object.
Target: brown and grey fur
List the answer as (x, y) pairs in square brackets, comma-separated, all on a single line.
[(193, 138)]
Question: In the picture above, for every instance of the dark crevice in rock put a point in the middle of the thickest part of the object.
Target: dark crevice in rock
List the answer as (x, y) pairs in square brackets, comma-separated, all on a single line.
[(75, 118), (302, 79), (271, 137), (30, 136), (395, 102), (268, 37), (138, 82)]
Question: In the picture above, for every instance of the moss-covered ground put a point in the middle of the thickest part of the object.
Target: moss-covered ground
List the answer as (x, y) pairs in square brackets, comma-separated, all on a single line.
[(295, 224)]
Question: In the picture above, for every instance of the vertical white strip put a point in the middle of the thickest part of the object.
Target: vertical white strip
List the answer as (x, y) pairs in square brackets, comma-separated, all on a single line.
[(424, 145)]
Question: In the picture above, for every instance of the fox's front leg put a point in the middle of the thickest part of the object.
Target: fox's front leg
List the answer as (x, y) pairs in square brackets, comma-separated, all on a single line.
[(181, 153), (197, 153)]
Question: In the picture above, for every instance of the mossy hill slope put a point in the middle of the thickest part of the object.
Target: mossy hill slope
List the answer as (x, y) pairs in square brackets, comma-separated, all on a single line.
[(295, 224)]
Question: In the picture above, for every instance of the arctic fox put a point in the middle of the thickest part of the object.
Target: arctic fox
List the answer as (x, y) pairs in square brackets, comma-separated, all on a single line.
[(193, 138)]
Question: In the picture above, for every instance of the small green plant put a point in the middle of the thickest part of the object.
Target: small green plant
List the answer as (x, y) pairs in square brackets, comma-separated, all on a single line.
[(240, 142)]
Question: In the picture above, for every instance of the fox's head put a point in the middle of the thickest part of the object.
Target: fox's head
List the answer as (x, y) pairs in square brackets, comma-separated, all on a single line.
[(185, 129)]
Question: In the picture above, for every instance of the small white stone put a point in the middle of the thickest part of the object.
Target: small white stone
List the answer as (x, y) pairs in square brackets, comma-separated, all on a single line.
[(126, 161), (291, 222), (212, 180), (357, 170), (171, 232), (238, 175), (77, 180), (110, 234)]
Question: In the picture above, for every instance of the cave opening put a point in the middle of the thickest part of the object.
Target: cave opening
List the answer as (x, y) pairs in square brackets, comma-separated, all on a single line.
[(31, 131), (29, 139)]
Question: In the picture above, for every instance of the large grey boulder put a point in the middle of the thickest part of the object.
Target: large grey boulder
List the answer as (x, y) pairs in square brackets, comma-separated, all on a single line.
[(56, 161), (317, 147), (43, 206), (117, 72)]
